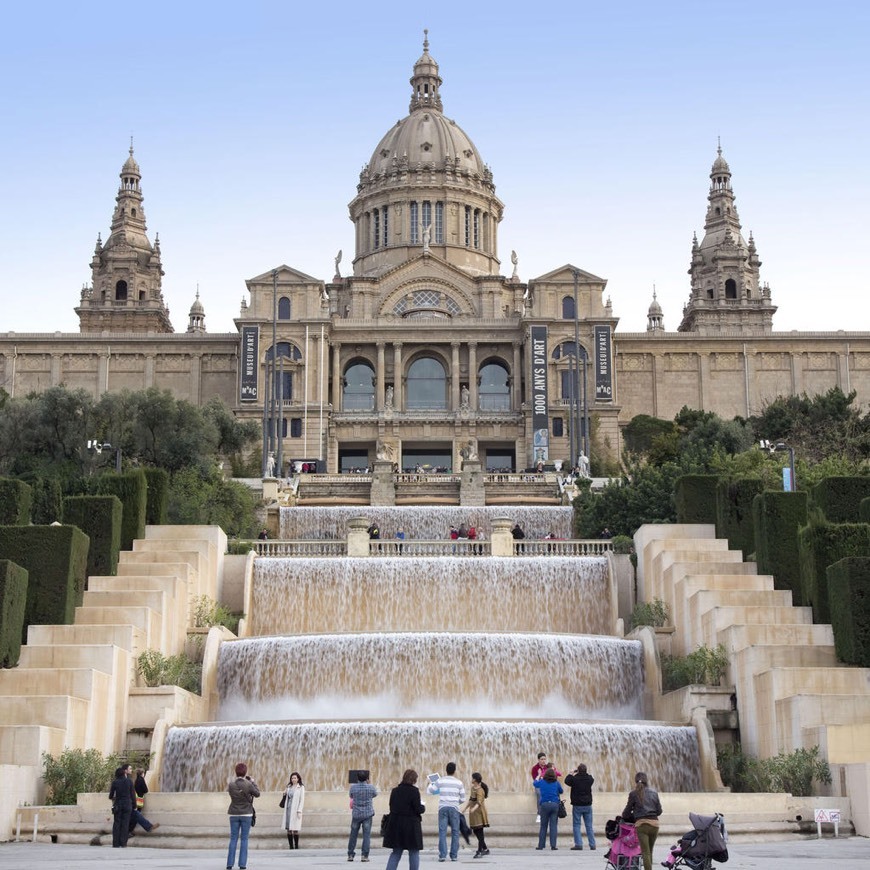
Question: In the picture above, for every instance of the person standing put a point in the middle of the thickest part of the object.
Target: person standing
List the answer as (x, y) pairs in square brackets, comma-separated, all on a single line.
[(580, 783), (550, 789), (451, 793), (140, 787), (122, 796), (242, 790), (538, 771), (478, 818), (644, 807), (404, 829), (294, 801), (362, 793)]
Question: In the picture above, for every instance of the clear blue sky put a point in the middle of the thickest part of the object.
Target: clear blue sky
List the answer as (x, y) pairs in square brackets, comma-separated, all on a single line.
[(599, 121)]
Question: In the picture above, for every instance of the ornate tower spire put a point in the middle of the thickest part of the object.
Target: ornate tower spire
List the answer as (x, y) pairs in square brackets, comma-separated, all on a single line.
[(196, 317), (726, 297), (127, 273), (655, 318), (425, 81)]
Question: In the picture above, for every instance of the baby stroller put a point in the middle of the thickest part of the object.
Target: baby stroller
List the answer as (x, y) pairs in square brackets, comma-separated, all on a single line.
[(698, 848), (624, 852)]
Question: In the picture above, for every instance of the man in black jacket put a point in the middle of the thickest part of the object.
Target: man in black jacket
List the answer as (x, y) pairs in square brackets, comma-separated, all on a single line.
[(122, 796), (580, 783)]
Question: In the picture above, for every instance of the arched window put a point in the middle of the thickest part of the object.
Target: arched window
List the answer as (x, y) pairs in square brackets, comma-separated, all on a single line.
[(427, 385), (730, 289), (283, 380), (568, 308), (359, 388), (283, 308), (121, 291), (494, 388)]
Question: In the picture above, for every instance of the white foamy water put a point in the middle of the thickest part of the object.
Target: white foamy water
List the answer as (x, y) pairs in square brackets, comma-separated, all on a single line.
[(201, 758), (405, 675), (424, 523), (549, 594)]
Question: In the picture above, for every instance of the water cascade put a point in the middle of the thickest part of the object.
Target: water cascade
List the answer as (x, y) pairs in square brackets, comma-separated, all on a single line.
[(422, 523)]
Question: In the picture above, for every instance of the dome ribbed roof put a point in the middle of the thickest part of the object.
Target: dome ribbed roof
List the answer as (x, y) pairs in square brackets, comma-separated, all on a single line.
[(720, 165)]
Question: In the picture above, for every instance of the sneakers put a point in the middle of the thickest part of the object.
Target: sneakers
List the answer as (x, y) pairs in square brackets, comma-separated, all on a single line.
[(350, 857), (154, 827), (537, 820), (592, 848), (577, 848), (364, 858)]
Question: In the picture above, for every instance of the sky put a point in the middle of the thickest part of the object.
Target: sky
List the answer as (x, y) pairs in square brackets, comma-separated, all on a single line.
[(251, 122)]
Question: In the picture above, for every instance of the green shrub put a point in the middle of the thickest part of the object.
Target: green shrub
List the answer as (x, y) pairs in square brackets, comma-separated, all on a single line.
[(703, 667), (13, 600), (157, 669), (654, 613), (15, 500), (820, 546), (734, 512), (839, 498), (77, 771), (794, 772), (695, 498), (157, 501), (47, 507), (132, 489), (99, 517), (849, 602), (864, 511), (208, 612), (622, 545), (777, 516)]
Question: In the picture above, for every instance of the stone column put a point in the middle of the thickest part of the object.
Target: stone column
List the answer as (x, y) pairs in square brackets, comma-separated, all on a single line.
[(472, 375), (502, 541), (196, 378), (56, 372), (336, 376), (516, 381), (454, 379), (103, 373), (358, 537), (383, 483), (149, 370), (398, 380), (379, 389)]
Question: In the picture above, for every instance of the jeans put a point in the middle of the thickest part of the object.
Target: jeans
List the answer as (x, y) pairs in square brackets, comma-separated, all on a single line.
[(448, 816), (578, 815), (355, 825), (239, 825), (396, 854), (121, 826), (138, 819), (549, 818)]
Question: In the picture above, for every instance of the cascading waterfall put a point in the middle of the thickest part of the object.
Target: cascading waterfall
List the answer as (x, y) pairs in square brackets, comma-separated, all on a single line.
[(552, 594), (391, 676), (423, 523)]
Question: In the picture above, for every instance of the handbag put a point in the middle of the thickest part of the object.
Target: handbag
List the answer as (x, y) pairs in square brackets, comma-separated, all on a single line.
[(283, 802), (253, 816), (385, 824), (562, 813), (464, 830)]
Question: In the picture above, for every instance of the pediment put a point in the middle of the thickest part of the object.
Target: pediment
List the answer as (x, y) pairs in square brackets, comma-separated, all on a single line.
[(565, 274), (286, 275)]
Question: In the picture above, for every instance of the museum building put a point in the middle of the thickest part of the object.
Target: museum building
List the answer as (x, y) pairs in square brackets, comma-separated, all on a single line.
[(427, 348)]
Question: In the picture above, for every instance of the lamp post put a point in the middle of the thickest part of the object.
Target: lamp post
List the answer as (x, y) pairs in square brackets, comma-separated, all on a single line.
[(582, 434), (782, 447)]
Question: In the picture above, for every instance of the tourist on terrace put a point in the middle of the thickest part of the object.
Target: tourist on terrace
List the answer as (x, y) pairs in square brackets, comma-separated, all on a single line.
[(404, 830), (242, 791), (644, 808), (294, 801), (580, 783), (550, 788), (451, 793), (362, 793)]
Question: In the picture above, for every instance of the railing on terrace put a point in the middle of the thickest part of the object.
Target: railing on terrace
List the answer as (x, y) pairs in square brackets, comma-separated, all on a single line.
[(299, 548), (424, 477), (556, 547), (462, 547), (430, 548)]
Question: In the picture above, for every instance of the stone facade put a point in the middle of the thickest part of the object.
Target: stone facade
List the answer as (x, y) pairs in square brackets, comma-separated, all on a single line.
[(425, 346)]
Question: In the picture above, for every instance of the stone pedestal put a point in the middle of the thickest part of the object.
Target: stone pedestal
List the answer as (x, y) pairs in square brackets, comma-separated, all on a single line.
[(358, 537), (383, 484), (502, 541), (270, 489), (472, 492)]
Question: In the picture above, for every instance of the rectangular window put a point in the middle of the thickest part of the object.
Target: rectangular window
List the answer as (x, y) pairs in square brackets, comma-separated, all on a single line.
[(477, 228), (439, 223), (295, 427), (558, 428), (467, 226), (427, 213), (415, 224), (376, 216), (570, 386), (386, 226)]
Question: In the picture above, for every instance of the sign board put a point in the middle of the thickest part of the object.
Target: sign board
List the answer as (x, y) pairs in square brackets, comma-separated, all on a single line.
[(250, 363), (539, 391), (825, 816), (603, 365)]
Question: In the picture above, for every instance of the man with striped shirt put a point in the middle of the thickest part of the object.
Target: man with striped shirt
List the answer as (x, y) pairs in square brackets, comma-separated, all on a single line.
[(451, 793)]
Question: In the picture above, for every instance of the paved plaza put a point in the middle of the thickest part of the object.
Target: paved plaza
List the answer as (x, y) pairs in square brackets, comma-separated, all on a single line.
[(794, 854)]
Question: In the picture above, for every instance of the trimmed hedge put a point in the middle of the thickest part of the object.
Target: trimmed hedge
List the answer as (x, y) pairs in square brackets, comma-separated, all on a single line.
[(734, 513), (777, 517), (158, 496), (695, 498), (864, 511), (47, 507), (13, 600), (839, 498), (56, 558), (820, 546), (849, 601), (132, 489), (99, 517), (15, 500)]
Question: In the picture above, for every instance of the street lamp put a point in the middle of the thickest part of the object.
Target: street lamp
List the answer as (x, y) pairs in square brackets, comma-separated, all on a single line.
[(782, 447)]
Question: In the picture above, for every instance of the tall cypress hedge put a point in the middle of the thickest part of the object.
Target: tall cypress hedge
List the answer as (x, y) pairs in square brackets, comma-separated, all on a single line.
[(158, 496), (15, 500), (99, 517), (734, 513), (839, 498), (695, 498), (864, 511), (849, 600), (132, 489), (821, 545), (13, 600), (777, 517), (56, 559)]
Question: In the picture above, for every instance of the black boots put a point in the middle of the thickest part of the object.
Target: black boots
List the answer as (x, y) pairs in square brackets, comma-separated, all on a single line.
[(296, 841), (290, 840)]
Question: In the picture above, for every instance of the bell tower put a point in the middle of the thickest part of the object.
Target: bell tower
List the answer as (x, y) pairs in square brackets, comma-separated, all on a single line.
[(126, 273)]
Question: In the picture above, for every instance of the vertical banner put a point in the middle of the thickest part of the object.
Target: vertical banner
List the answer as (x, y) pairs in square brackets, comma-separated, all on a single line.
[(250, 363), (540, 399), (603, 365)]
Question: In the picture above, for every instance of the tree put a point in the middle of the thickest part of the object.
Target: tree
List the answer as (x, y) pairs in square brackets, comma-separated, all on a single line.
[(200, 496)]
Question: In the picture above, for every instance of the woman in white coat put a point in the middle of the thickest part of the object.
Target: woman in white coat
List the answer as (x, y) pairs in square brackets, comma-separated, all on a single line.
[(294, 801)]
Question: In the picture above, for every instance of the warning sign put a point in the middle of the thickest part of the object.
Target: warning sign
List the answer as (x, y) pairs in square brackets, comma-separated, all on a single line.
[(821, 815)]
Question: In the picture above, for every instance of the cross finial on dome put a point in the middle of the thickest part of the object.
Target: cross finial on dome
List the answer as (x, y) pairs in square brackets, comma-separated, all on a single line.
[(426, 40), (719, 145), (131, 144)]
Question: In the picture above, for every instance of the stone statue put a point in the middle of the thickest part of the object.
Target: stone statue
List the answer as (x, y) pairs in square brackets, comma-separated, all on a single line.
[(384, 451), (337, 261), (583, 464), (469, 452), (388, 399), (515, 260), (270, 465), (464, 400), (427, 235)]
